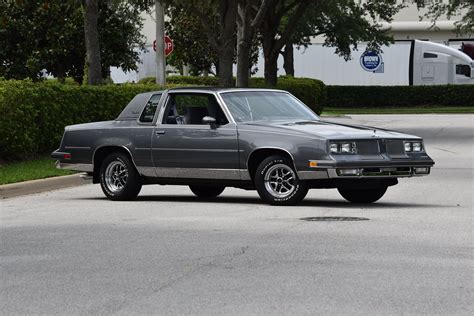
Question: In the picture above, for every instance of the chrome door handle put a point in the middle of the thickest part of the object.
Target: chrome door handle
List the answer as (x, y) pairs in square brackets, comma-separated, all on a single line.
[(159, 132)]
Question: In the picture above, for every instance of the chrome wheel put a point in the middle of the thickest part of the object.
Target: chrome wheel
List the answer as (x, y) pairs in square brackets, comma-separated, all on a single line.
[(116, 175), (280, 181)]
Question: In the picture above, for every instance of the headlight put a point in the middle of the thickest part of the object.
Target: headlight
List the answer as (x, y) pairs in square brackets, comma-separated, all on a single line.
[(413, 146), (342, 147)]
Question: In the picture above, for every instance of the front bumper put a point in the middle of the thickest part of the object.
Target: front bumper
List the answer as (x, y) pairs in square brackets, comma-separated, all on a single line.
[(367, 169)]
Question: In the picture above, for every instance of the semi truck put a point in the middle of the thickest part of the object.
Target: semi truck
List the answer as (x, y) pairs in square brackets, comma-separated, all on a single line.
[(411, 62)]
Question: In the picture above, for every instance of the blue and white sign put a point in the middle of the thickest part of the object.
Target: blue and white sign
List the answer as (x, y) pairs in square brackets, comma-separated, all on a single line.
[(372, 61)]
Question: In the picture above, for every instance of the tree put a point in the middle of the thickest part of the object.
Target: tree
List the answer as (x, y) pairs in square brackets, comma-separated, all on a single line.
[(275, 35), (250, 14), (37, 35), (185, 29), (91, 36), (223, 41), (464, 8), (344, 24), (46, 34)]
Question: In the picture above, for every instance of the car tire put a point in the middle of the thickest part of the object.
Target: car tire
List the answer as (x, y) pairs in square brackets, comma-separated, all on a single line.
[(277, 182), (364, 196), (206, 191), (118, 178)]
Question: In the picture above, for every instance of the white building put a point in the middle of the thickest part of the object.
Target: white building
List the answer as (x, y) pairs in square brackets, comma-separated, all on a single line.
[(317, 61)]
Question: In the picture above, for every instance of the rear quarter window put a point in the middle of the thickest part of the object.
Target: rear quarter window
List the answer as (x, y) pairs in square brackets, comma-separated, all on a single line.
[(149, 111)]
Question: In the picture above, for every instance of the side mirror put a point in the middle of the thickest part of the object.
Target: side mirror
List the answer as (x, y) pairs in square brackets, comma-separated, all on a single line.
[(209, 120)]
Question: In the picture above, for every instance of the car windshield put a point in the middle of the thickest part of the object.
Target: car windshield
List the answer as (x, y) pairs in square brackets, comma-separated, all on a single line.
[(250, 106)]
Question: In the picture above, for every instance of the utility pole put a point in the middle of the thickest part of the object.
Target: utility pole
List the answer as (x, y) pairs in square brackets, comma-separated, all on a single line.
[(160, 43)]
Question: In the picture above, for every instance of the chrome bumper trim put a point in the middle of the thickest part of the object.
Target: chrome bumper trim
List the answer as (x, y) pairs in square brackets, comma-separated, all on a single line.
[(86, 167), (384, 172), (195, 173), (311, 175)]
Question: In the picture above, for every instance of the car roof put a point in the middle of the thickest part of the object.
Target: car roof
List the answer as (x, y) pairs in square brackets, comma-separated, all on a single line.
[(220, 89)]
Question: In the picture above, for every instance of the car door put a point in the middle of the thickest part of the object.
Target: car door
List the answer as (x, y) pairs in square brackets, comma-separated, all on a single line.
[(140, 132), (185, 147)]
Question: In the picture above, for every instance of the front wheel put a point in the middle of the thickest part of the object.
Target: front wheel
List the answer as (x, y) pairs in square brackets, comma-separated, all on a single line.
[(118, 178), (206, 191), (277, 182), (363, 195)]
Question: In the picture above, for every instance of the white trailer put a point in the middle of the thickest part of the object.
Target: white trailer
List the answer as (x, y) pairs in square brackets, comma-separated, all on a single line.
[(411, 62)]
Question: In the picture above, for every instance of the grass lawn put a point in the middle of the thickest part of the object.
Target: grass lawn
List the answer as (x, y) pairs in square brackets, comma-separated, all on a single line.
[(400, 110), (30, 170)]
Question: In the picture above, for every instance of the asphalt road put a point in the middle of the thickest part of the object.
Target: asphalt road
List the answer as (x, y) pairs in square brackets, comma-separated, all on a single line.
[(71, 251)]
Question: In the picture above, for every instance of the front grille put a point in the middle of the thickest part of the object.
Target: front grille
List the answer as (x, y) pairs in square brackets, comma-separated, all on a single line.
[(376, 172), (395, 148), (367, 147)]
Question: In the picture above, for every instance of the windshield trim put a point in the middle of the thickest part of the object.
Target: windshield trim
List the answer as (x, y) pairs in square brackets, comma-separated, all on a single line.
[(221, 99)]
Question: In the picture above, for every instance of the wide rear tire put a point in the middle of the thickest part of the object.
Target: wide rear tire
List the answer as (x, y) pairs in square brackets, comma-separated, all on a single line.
[(364, 196), (118, 178), (206, 191)]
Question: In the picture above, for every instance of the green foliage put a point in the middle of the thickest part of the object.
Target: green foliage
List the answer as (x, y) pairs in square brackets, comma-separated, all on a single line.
[(452, 8), (33, 115), (193, 47), (399, 96), (30, 170), (45, 34)]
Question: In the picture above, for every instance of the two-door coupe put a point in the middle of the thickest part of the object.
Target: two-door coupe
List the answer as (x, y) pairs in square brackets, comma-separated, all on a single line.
[(212, 138)]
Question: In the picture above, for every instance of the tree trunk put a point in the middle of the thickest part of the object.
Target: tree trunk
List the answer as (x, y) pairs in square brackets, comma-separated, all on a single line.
[(227, 16), (91, 35), (289, 60), (271, 70), (61, 73), (226, 61), (270, 61), (244, 38)]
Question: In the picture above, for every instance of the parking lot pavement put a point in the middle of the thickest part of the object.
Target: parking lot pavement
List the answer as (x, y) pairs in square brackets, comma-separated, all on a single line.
[(72, 251)]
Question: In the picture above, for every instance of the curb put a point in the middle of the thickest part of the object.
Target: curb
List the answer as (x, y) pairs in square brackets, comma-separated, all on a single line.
[(41, 185)]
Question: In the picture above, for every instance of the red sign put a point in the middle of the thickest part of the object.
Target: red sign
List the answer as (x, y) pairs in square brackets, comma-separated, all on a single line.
[(169, 46)]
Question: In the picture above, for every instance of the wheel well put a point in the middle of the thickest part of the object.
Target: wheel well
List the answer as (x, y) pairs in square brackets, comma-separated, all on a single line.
[(257, 156), (100, 155)]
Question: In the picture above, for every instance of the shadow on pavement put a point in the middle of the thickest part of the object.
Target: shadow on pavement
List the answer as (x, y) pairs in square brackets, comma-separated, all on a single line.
[(255, 200)]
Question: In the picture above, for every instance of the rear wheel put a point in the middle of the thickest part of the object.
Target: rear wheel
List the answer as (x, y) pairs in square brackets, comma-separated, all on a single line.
[(118, 178), (206, 191), (277, 182), (363, 195)]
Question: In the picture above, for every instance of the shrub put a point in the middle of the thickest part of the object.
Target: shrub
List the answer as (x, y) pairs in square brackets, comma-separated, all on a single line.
[(399, 96), (33, 115)]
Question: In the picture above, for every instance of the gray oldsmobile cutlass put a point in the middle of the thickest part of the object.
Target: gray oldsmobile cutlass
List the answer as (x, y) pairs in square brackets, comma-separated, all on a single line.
[(211, 138)]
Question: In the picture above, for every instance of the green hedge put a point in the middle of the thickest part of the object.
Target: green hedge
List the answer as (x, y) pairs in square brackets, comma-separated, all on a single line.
[(33, 115), (311, 91), (399, 96)]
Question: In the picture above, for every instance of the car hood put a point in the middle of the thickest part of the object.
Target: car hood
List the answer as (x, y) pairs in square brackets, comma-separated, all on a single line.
[(330, 130)]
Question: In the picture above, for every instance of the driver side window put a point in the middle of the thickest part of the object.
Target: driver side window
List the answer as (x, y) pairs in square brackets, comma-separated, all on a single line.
[(191, 108)]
